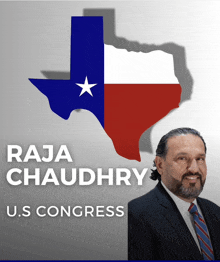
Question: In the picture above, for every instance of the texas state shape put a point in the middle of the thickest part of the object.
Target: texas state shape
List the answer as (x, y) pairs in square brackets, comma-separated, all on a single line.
[(128, 92)]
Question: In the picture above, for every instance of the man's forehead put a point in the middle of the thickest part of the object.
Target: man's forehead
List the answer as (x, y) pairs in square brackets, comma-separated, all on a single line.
[(185, 142)]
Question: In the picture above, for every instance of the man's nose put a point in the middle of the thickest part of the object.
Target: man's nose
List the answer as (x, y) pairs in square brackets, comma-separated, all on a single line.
[(193, 166)]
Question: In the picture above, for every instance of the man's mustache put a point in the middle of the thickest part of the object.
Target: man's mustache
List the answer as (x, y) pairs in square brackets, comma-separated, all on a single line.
[(192, 174)]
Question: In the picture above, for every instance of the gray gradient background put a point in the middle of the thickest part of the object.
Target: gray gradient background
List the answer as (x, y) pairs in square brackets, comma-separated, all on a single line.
[(35, 37)]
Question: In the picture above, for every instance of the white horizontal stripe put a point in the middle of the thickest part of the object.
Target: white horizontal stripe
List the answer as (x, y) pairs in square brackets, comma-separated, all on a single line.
[(155, 67)]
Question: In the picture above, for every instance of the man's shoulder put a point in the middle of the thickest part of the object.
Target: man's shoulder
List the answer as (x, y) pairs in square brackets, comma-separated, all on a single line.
[(143, 203), (209, 206)]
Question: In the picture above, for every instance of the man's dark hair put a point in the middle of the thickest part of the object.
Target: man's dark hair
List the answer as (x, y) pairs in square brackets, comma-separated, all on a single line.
[(162, 146)]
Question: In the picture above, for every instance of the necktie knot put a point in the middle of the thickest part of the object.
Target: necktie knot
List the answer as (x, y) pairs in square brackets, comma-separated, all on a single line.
[(193, 209)]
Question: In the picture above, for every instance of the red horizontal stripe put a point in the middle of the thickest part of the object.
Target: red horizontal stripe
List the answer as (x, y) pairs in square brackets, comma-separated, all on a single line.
[(125, 109)]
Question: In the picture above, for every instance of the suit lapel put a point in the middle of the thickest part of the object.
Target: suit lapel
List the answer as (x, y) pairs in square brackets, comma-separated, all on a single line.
[(213, 225), (171, 213)]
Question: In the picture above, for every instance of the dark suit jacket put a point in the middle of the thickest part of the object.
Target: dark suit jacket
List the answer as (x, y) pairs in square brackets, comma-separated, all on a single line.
[(157, 231)]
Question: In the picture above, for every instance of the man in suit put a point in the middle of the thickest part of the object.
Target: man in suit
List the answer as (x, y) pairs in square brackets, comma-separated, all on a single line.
[(171, 222)]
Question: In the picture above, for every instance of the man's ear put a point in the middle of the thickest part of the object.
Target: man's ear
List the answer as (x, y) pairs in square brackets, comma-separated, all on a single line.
[(159, 161)]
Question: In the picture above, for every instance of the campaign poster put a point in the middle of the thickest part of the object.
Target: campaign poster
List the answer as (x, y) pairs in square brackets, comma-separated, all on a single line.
[(64, 186)]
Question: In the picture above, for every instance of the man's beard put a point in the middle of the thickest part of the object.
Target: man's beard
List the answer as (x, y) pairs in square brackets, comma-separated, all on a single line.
[(187, 192)]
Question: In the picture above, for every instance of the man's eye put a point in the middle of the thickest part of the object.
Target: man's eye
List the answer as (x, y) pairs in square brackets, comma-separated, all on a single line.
[(182, 158), (201, 159)]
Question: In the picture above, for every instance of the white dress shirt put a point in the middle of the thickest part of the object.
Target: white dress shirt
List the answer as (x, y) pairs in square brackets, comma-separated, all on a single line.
[(183, 207)]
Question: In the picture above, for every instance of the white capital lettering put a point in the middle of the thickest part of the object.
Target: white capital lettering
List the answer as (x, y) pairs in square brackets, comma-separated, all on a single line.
[(140, 176)]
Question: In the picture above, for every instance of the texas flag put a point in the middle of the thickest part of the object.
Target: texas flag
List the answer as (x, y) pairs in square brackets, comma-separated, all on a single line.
[(128, 92)]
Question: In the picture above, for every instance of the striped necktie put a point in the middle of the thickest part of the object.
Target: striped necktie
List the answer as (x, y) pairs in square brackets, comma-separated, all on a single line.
[(202, 233)]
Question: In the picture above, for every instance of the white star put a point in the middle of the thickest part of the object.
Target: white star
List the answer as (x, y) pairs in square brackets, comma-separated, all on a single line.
[(86, 87)]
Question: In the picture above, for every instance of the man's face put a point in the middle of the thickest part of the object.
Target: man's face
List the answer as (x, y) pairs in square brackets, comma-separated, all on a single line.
[(184, 170)]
